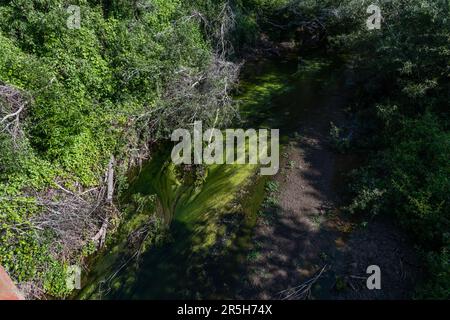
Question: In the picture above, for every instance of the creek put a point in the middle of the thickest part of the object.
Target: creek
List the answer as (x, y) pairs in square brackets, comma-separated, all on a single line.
[(203, 253)]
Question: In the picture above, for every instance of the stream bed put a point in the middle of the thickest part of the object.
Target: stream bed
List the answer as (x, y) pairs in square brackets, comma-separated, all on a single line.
[(203, 252)]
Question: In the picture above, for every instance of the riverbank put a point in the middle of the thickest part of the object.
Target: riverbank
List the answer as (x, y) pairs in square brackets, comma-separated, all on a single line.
[(304, 236), (237, 235)]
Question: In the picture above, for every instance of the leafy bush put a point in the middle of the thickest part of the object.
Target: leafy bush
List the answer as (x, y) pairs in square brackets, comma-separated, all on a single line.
[(403, 103), (87, 87)]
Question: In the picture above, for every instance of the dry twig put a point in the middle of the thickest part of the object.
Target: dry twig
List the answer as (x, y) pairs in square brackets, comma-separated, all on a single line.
[(302, 291)]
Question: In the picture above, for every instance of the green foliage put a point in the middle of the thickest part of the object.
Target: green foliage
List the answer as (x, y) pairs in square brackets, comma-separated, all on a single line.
[(88, 249), (403, 114), (86, 84), (272, 186), (439, 267), (339, 139), (272, 190), (55, 279)]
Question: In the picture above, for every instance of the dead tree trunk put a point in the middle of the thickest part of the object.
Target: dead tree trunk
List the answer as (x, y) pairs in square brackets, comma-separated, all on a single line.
[(110, 192), (100, 237)]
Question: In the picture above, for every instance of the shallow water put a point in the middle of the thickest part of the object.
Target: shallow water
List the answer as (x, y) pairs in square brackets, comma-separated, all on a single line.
[(211, 224)]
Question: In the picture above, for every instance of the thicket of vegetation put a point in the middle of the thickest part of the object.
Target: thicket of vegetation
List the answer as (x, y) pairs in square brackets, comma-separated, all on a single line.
[(403, 122), (71, 98), (401, 107)]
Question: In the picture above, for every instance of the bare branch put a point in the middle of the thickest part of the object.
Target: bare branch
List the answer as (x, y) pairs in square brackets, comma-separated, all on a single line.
[(12, 106), (302, 291)]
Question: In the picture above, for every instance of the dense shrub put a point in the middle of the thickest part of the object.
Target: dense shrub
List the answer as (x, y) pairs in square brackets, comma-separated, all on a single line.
[(86, 86), (403, 74)]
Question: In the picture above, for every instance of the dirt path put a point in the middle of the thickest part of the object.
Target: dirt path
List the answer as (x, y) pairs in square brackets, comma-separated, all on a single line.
[(307, 232)]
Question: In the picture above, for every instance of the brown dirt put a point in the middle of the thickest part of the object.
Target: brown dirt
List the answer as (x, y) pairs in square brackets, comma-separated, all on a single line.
[(309, 232)]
